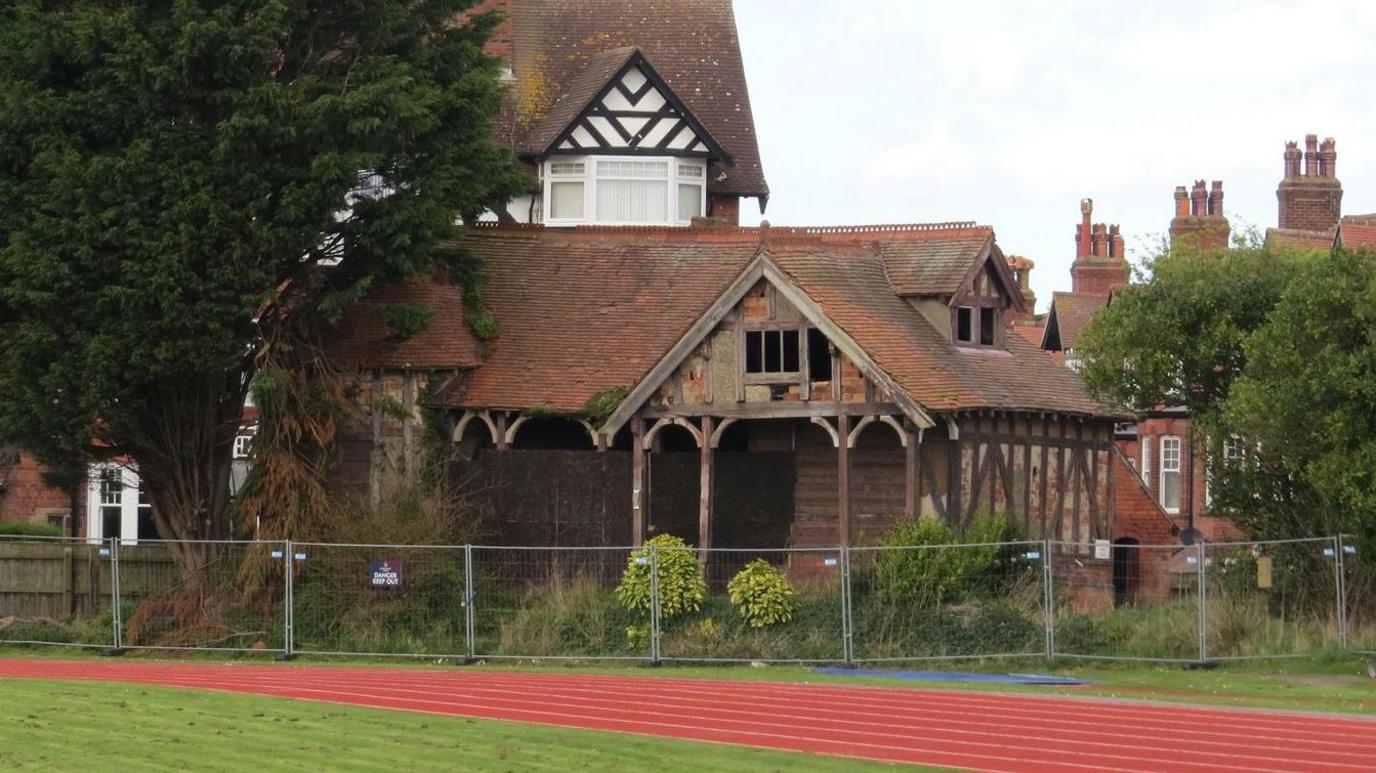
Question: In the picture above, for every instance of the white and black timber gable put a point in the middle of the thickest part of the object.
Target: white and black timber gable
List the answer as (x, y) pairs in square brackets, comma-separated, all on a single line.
[(636, 113)]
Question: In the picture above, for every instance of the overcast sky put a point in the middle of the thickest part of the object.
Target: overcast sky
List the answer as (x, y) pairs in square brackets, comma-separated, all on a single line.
[(895, 111)]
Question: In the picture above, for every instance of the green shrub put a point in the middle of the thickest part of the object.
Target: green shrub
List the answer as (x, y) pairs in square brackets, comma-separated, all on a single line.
[(27, 529), (681, 587), (762, 594), (923, 565)]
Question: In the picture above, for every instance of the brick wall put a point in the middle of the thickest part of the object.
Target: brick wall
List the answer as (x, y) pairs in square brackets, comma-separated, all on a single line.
[(26, 497)]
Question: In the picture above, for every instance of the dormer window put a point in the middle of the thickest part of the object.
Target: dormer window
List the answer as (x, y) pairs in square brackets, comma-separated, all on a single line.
[(620, 190), (975, 312)]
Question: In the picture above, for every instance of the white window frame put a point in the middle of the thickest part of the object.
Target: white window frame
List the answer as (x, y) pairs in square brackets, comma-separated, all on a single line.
[(242, 443), (674, 178), (1175, 469), (1146, 457), (128, 504)]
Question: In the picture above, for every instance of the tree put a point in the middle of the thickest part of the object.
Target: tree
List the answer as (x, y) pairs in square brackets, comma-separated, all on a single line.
[(173, 187), (1178, 337), (1306, 405)]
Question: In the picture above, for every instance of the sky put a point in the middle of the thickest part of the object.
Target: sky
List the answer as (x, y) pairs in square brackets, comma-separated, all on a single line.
[(1008, 114)]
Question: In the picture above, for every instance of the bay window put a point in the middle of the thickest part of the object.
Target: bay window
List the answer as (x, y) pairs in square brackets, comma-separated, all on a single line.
[(621, 190)]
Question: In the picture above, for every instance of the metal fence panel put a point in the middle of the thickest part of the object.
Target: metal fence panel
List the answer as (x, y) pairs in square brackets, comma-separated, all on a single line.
[(1134, 602), (209, 595), (1358, 586), (379, 600), (55, 590), (559, 603), (1267, 599), (756, 605), (947, 601)]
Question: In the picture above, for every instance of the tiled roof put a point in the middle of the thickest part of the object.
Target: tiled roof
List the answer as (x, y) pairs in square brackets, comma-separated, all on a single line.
[(580, 311), (578, 92), (852, 290), (363, 337), (559, 47), (1356, 236), (1071, 312), (935, 262), (1299, 239)]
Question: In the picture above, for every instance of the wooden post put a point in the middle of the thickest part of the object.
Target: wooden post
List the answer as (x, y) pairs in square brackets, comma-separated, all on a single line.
[(843, 477), (910, 473), (639, 492), (705, 491), (501, 430)]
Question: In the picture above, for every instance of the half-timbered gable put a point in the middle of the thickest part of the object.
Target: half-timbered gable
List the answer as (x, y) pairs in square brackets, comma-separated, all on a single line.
[(627, 116)]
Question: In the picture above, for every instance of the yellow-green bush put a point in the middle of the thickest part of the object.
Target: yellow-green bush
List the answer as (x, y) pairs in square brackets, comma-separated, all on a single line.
[(762, 594)]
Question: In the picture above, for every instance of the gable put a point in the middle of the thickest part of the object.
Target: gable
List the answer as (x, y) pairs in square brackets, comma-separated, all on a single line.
[(635, 112)]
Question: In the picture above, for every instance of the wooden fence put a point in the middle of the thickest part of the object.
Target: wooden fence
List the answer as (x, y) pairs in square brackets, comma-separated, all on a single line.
[(63, 580)]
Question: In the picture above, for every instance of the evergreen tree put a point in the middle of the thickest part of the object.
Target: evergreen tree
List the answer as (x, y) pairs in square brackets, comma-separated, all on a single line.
[(173, 187)]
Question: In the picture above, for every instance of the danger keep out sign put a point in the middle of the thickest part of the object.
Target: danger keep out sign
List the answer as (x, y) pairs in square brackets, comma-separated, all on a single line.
[(384, 573)]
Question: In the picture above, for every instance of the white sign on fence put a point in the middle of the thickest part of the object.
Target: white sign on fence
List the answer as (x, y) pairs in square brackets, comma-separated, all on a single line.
[(1102, 549)]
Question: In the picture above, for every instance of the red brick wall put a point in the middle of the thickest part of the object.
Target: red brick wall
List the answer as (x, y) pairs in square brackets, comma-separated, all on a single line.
[(25, 493), (724, 208)]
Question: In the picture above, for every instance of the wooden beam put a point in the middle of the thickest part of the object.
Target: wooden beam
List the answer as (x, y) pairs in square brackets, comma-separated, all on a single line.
[(639, 483), (804, 364), (501, 431), (705, 490), (775, 409), (843, 478), (910, 454)]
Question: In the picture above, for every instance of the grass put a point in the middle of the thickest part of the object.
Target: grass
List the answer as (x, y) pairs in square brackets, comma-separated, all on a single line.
[(96, 726)]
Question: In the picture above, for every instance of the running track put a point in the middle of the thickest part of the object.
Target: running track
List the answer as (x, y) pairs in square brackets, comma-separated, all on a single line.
[(977, 731)]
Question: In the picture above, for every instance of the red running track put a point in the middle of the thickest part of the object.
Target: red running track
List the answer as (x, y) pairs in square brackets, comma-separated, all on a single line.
[(970, 730)]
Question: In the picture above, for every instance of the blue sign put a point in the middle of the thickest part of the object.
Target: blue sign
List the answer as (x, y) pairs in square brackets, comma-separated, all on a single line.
[(385, 573)]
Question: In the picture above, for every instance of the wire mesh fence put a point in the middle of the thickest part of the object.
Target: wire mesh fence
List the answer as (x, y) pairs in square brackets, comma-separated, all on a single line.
[(1126, 601), (206, 595), (558, 603), (55, 590), (1176, 603), (1271, 598), (947, 601), (378, 600), (755, 605)]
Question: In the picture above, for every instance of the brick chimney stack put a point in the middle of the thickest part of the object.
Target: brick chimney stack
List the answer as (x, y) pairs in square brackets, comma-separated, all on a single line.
[(1312, 200), (1200, 226), (1100, 265)]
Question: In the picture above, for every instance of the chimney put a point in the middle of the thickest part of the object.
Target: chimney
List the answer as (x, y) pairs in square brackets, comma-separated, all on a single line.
[(1198, 200), (1292, 159), (1201, 226), (1311, 201), (1082, 231), (1099, 267), (1311, 155), (1328, 158)]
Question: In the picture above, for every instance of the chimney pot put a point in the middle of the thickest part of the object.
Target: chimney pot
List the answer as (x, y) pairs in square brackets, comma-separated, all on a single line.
[(1311, 155), (1182, 202), (1216, 198), (1198, 199), (1292, 159), (1328, 158)]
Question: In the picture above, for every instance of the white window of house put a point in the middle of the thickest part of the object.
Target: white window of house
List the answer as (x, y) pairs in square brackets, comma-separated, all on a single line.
[(1170, 474), (1146, 457), (632, 191), (692, 195), (117, 506), (565, 185), (1233, 449), (621, 190), (242, 443)]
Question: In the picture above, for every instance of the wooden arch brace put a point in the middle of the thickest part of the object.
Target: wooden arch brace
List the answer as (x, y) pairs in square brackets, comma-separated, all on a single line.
[(468, 417), (868, 420), (648, 441), (722, 424), (826, 425)]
